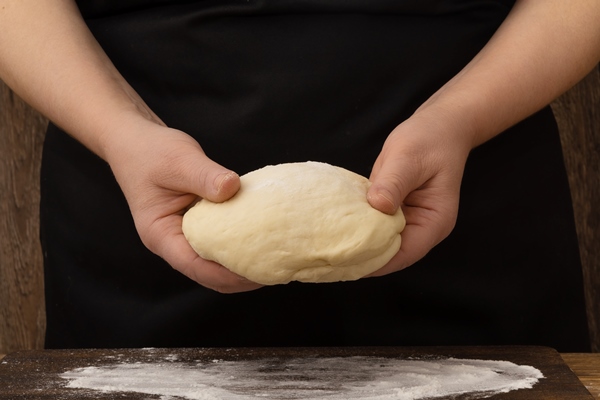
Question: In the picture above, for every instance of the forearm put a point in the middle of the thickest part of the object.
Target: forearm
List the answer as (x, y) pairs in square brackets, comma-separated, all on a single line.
[(50, 58), (541, 50)]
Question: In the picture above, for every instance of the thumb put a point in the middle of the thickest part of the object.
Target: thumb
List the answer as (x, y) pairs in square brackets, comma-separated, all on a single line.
[(187, 169), (209, 180), (392, 179), (224, 183)]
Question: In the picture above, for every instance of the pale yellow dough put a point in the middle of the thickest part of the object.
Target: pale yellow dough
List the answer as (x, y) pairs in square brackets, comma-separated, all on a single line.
[(307, 222)]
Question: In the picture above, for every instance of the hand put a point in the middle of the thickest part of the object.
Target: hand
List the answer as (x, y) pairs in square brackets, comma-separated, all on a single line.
[(419, 170), (162, 172)]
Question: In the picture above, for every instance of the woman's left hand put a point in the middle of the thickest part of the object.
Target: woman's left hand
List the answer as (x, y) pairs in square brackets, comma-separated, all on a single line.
[(419, 170), (520, 70)]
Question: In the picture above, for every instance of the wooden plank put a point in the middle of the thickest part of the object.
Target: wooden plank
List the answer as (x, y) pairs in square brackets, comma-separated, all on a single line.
[(578, 116), (37, 374), (22, 317), (587, 368)]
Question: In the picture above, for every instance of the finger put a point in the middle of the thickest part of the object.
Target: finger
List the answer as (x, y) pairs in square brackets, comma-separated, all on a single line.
[(175, 249), (419, 236)]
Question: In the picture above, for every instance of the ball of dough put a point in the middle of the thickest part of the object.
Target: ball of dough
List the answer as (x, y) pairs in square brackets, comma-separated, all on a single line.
[(307, 222)]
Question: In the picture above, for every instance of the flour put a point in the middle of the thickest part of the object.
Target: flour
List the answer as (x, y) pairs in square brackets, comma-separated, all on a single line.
[(367, 378)]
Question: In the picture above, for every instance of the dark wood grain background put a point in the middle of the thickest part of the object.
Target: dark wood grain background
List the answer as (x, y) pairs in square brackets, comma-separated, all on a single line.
[(578, 116), (22, 319)]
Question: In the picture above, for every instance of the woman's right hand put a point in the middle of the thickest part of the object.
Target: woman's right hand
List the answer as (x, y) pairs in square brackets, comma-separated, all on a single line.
[(60, 69), (162, 172)]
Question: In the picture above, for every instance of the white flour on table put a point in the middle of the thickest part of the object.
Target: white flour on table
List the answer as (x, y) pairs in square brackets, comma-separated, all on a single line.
[(366, 378)]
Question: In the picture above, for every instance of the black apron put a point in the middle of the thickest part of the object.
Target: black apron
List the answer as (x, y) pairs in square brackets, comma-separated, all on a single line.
[(260, 82)]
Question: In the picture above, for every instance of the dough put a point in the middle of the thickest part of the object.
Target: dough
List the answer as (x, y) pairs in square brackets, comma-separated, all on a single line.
[(307, 222)]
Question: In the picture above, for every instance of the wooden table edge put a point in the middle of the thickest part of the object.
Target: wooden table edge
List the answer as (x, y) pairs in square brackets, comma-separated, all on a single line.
[(587, 368)]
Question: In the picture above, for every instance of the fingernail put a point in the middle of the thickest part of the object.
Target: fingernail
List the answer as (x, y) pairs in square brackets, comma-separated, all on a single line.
[(382, 197), (223, 179)]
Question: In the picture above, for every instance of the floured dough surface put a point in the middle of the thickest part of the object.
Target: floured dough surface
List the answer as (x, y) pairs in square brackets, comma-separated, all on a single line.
[(307, 222)]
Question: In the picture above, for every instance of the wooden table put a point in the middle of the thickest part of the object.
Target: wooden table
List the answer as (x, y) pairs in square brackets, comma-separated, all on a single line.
[(586, 367)]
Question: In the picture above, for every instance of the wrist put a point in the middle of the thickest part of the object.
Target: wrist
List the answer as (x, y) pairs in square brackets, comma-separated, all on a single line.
[(452, 126), (126, 131)]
